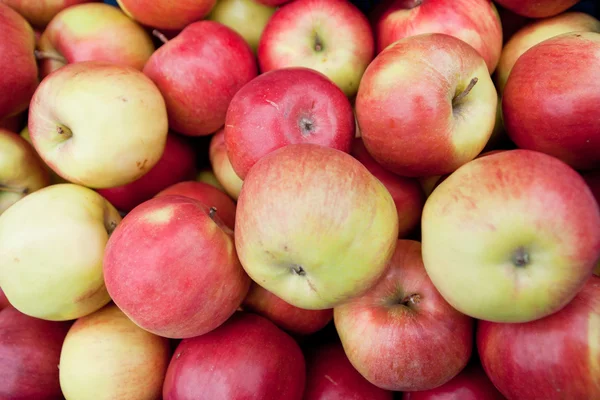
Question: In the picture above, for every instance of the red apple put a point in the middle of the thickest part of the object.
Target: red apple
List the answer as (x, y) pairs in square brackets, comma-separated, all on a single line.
[(284, 106), (171, 266), (474, 21), (556, 357), (3, 300), (178, 163), (40, 12), (402, 335), (166, 14), (29, 356), (537, 8), (551, 98), (198, 73), (221, 165), (331, 376)]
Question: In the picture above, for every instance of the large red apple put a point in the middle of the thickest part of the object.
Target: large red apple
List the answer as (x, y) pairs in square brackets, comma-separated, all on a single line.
[(402, 335), (247, 358), (556, 357), (284, 106), (198, 73), (537, 8), (166, 14)]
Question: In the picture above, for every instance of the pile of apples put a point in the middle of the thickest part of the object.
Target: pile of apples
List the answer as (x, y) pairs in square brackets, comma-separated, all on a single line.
[(274, 199)]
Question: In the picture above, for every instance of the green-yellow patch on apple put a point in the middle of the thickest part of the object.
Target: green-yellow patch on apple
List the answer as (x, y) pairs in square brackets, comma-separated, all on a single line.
[(161, 216)]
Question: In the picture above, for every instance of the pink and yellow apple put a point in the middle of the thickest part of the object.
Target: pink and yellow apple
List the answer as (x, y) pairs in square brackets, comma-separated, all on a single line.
[(536, 8), (165, 14), (39, 12), (221, 166)]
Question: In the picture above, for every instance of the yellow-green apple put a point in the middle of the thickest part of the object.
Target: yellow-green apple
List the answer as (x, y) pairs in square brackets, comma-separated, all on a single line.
[(426, 105), (178, 163), (21, 170), (536, 8), (51, 248), (552, 97), (164, 14), (330, 375), (40, 12), (54, 177), (19, 78), (407, 193), (337, 241), (171, 266), (294, 320), (536, 32), (117, 132), (93, 32), (207, 195), (476, 22), (402, 335), (285, 106), (246, 17), (248, 357), (29, 354), (511, 237), (331, 36), (207, 175), (198, 78), (556, 357), (221, 165), (105, 356)]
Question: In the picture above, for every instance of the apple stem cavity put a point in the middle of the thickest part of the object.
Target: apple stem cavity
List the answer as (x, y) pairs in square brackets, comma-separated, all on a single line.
[(520, 258), (111, 226), (4, 188), (412, 300), (64, 132), (298, 270), (307, 126), (467, 90), (410, 4), (44, 55), (212, 212), (318, 46), (161, 36)]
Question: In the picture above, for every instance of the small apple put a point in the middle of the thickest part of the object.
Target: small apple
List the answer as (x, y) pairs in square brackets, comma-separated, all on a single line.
[(207, 175), (221, 165), (536, 8), (39, 12), (164, 14)]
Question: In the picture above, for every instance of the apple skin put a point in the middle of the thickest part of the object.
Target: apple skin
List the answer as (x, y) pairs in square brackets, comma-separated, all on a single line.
[(331, 36), (402, 335), (105, 356), (331, 376), (551, 358), (120, 111), (198, 78), (40, 12), (222, 167), (19, 78), (474, 21), (247, 357), (207, 175), (3, 300), (497, 237), (536, 8), (93, 32), (168, 245), (551, 99), (178, 163), (409, 119), (164, 14), (285, 106), (592, 178), (29, 353), (337, 241)]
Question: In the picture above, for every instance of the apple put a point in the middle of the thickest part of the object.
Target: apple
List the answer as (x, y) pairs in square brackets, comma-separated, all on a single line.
[(536, 8), (330, 36), (338, 238), (246, 17), (98, 124), (40, 12), (54, 177), (19, 78), (426, 105), (178, 253), (106, 356), (207, 175), (284, 106), (21, 170), (402, 335), (536, 32), (198, 78), (551, 358), (511, 237), (592, 178), (221, 165), (551, 99), (51, 247), (93, 32), (178, 163), (3, 300), (207, 195), (407, 193), (164, 14), (247, 357), (330, 375), (29, 353)]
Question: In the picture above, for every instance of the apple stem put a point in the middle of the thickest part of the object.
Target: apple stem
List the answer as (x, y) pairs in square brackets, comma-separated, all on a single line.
[(4, 188), (410, 4), (161, 36), (111, 226), (520, 258), (212, 212), (413, 299), (465, 92), (44, 55)]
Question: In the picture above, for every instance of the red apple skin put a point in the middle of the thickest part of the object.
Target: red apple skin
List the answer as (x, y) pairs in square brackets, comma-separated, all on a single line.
[(550, 358), (15, 123), (291, 319), (178, 163), (198, 72), (407, 193), (207, 195), (286, 106), (3, 300), (473, 21), (165, 14), (172, 269), (247, 358), (40, 12), (402, 335), (331, 376), (29, 356), (551, 98), (536, 8)]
